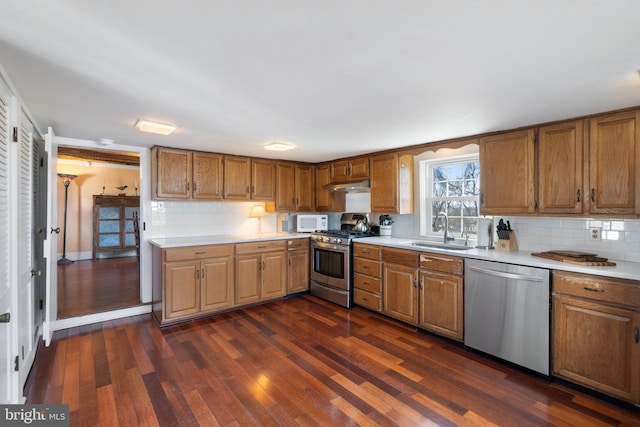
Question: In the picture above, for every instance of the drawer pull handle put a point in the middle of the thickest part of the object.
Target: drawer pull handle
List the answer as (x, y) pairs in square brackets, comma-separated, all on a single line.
[(367, 299), (636, 334), (200, 253), (586, 288), (261, 247), (435, 258)]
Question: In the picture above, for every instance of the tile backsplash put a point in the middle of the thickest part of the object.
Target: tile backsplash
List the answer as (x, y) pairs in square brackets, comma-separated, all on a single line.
[(619, 238)]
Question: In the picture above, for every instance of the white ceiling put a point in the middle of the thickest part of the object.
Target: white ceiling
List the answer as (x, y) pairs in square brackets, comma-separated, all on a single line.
[(334, 77)]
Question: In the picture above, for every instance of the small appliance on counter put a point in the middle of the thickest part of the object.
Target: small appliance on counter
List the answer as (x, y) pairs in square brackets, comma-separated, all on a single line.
[(287, 223), (308, 223)]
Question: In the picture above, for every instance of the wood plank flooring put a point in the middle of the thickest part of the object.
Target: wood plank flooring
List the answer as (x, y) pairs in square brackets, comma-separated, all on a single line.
[(300, 361), (87, 286)]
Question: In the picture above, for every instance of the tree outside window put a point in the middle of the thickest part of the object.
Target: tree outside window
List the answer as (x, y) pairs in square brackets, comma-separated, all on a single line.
[(453, 188)]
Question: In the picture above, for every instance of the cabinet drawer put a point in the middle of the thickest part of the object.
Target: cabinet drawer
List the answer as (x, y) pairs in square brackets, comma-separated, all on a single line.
[(367, 266), (618, 291), (366, 251), (269, 245), (445, 263), (400, 257), (367, 283), (367, 299), (297, 244), (197, 252)]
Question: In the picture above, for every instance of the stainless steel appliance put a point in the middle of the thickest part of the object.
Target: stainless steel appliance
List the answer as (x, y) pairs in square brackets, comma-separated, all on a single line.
[(331, 259), (506, 312)]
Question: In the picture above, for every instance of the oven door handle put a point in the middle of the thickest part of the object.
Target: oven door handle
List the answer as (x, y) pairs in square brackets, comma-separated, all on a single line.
[(330, 247)]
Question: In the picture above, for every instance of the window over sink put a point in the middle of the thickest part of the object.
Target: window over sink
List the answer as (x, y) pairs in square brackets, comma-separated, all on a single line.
[(451, 185)]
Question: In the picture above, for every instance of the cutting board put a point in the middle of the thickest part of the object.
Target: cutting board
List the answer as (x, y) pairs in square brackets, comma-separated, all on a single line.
[(575, 257)]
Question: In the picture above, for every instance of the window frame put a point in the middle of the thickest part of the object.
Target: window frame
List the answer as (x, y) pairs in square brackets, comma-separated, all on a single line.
[(426, 186)]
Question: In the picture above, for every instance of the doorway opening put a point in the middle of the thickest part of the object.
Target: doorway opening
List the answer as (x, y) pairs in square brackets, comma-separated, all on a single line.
[(100, 207)]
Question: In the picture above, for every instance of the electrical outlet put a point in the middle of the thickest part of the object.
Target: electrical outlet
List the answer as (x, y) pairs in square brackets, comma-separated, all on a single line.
[(595, 233)]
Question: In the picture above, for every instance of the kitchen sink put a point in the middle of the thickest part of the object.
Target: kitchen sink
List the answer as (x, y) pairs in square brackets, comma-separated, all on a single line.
[(434, 245)]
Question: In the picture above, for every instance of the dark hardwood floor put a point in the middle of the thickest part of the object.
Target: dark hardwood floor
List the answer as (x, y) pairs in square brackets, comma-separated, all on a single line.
[(300, 361), (87, 287)]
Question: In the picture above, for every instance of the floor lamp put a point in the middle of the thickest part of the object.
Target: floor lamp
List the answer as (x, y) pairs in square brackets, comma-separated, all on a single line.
[(66, 180)]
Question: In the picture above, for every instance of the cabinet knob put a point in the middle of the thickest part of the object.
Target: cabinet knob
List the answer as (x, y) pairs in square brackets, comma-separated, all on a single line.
[(578, 195), (593, 195), (636, 334)]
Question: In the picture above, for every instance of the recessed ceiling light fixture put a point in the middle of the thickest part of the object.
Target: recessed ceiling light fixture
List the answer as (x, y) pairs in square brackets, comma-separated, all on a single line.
[(155, 127), (279, 146)]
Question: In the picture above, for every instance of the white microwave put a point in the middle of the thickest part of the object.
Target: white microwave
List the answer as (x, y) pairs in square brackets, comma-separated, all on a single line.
[(310, 223)]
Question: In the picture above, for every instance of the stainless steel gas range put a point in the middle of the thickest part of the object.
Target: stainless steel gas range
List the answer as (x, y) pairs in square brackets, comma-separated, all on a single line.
[(332, 259)]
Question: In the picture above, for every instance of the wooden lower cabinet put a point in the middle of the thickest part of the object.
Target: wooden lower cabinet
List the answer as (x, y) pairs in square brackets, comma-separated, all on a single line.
[(595, 340), (367, 276), (298, 268), (261, 271), (441, 307), (400, 293), (191, 281)]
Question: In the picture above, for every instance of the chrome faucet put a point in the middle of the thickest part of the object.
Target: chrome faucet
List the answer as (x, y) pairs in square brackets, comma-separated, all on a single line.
[(447, 239)]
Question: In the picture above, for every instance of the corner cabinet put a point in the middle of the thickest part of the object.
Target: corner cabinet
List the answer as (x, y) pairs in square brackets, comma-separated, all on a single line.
[(113, 228), (191, 281), (596, 329), (392, 183), (507, 173)]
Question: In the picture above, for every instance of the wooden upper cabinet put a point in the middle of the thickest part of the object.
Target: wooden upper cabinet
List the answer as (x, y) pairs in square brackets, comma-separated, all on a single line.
[(304, 188), (614, 168), (171, 173), (392, 183), (285, 199), (237, 178), (207, 176), (263, 179), (560, 168), (352, 169), (507, 173), (326, 200)]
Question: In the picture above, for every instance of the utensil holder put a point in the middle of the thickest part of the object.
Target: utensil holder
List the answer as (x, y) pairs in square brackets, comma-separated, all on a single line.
[(509, 244), (385, 230)]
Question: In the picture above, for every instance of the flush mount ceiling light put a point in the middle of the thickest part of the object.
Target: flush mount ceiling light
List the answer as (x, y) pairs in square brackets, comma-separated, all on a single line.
[(155, 127), (105, 141), (279, 146)]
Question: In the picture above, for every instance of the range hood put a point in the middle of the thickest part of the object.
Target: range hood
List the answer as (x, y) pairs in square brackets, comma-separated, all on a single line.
[(361, 186)]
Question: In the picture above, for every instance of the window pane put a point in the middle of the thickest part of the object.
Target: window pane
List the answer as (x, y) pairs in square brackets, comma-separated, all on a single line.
[(470, 208), (470, 225), (440, 189), (455, 208), (455, 225), (471, 187)]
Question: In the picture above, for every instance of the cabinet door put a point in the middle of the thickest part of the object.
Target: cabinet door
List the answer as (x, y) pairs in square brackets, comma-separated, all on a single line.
[(507, 166), (262, 179), (441, 304), (172, 172), (304, 188), (340, 170), (595, 345), (285, 187), (248, 278), (182, 290), (298, 271), (400, 293), (274, 274), (359, 168), (326, 200), (560, 166), (207, 176), (614, 178), (237, 178), (392, 184), (216, 283)]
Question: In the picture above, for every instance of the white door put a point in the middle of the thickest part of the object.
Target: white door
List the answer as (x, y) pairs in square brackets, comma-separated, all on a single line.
[(26, 184), (51, 234), (7, 378)]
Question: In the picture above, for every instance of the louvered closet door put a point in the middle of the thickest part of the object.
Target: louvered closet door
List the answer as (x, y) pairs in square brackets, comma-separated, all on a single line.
[(25, 247), (5, 295)]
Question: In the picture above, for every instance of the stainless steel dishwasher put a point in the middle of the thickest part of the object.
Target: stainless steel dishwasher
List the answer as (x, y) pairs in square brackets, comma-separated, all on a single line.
[(506, 312)]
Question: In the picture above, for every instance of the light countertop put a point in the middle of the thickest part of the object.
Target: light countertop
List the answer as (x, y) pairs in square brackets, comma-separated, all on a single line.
[(177, 242), (622, 269)]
